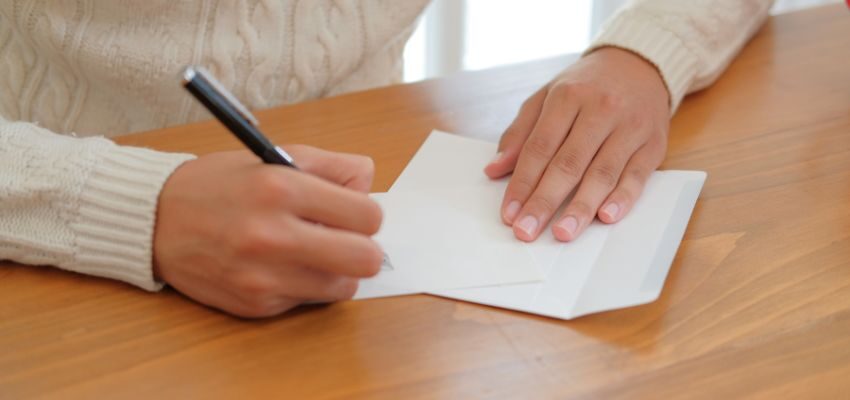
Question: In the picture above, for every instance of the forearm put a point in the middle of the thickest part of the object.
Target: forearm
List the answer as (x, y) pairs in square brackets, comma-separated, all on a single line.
[(85, 205), (690, 42)]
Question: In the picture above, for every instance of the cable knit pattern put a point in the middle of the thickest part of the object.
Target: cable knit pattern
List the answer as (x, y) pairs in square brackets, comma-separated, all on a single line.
[(106, 68), (690, 42), (110, 68)]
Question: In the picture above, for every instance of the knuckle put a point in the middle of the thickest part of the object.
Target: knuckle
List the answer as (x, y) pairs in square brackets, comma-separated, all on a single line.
[(373, 216), (580, 208), (267, 177), (610, 101), (637, 122), (284, 241), (270, 187), (566, 89), (653, 154), (521, 185), (248, 239), (364, 258), (569, 165), (538, 147), (255, 285), (542, 205), (605, 174), (663, 130), (254, 238), (260, 307), (561, 89), (366, 165), (369, 258), (258, 294), (660, 144), (657, 130), (637, 174), (347, 289), (624, 195)]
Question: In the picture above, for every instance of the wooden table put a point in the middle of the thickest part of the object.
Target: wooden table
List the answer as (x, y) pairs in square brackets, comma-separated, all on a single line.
[(757, 302)]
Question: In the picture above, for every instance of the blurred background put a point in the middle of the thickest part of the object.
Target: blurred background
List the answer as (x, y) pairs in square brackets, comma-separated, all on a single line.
[(455, 35)]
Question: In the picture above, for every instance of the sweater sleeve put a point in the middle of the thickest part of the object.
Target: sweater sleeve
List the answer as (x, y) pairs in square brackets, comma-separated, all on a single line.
[(689, 42), (84, 205)]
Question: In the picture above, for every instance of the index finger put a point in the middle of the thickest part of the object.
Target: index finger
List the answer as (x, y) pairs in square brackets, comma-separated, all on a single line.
[(319, 201), (558, 114), (353, 171)]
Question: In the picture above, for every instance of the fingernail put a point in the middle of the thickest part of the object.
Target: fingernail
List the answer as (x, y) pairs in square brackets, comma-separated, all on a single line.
[(497, 158), (569, 225), (612, 209), (511, 211), (528, 225)]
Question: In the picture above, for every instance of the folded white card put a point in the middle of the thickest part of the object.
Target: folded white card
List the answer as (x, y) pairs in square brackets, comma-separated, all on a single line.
[(607, 267), (444, 240)]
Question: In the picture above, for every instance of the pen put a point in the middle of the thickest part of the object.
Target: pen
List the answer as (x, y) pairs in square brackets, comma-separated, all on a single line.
[(233, 115)]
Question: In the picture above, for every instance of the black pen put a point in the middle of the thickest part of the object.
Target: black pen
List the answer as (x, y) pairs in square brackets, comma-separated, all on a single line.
[(233, 115)]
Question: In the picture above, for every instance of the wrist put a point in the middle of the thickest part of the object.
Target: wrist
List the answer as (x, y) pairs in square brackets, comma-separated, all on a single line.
[(635, 67), (117, 214), (635, 32), (163, 215)]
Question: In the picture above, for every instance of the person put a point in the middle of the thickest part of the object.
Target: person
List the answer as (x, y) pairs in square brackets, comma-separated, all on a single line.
[(241, 236)]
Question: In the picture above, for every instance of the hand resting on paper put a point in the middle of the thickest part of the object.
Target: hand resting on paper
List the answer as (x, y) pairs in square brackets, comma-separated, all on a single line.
[(599, 127), (256, 240)]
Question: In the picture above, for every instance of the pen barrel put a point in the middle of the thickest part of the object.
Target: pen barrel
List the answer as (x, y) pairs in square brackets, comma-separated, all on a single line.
[(247, 133)]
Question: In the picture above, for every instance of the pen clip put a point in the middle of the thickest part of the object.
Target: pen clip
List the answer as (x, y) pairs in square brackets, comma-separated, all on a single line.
[(193, 72)]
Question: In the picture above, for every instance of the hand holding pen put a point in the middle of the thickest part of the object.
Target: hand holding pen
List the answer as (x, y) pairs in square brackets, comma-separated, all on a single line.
[(256, 239)]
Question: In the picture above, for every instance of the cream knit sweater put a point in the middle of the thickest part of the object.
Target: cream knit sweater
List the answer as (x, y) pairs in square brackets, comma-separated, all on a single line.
[(90, 68)]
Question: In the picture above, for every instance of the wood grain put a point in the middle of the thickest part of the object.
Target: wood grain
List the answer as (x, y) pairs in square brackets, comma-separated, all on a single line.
[(757, 303)]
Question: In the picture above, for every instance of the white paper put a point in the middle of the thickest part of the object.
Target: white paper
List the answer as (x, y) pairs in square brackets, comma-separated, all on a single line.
[(446, 240), (607, 267)]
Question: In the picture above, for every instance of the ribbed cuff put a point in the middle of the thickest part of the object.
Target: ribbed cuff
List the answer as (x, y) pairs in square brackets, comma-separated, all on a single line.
[(642, 35), (115, 224)]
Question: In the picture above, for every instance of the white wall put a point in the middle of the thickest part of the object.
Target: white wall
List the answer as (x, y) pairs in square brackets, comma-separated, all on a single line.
[(459, 35)]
